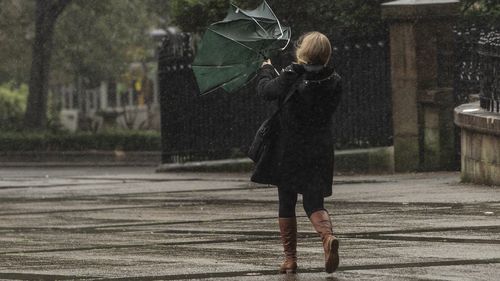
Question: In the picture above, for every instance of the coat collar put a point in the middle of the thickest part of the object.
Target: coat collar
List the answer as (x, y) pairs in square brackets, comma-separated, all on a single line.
[(310, 68), (315, 74)]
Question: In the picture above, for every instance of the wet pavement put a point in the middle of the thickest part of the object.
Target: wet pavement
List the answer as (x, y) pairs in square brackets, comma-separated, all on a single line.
[(133, 224)]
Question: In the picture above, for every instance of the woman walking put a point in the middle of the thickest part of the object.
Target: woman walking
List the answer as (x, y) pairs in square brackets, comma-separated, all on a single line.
[(301, 157)]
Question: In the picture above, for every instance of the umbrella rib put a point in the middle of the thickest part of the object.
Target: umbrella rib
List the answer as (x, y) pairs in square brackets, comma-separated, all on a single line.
[(219, 66), (253, 18), (289, 38), (260, 25), (244, 12), (239, 76), (235, 41), (279, 24), (221, 85)]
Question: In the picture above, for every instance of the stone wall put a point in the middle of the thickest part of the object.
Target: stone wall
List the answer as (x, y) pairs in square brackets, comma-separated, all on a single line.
[(480, 141)]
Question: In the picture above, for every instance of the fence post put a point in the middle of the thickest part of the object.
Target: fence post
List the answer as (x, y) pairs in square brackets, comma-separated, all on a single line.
[(421, 76), (103, 95)]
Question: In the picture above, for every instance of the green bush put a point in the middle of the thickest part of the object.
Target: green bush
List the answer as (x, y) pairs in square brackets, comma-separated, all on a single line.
[(47, 141), (12, 105), (481, 12)]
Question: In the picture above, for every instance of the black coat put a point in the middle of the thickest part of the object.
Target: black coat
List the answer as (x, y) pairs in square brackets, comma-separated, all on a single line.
[(301, 158)]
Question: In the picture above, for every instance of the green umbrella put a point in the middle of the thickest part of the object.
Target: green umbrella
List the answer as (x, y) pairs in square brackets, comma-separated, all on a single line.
[(233, 49)]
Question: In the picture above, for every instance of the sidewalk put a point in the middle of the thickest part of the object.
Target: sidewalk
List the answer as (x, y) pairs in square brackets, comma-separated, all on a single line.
[(132, 224)]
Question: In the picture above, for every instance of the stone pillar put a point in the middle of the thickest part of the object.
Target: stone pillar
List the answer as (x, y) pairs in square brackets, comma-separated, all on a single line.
[(420, 33)]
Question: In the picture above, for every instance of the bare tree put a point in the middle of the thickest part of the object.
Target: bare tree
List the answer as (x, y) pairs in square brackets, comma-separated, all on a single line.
[(46, 14)]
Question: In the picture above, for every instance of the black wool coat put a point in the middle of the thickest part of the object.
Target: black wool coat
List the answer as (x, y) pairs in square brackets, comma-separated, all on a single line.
[(301, 159)]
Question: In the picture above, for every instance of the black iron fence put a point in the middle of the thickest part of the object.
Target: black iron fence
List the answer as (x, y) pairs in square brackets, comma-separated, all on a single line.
[(364, 117), (478, 66), (489, 56), (221, 125), (466, 76)]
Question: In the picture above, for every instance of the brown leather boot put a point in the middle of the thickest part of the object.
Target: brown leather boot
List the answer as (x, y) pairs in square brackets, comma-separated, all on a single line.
[(323, 225), (288, 231)]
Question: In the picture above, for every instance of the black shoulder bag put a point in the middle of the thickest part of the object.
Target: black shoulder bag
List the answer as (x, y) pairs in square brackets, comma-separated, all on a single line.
[(269, 130)]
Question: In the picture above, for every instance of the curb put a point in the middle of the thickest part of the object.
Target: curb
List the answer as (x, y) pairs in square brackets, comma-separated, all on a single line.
[(370, 160)]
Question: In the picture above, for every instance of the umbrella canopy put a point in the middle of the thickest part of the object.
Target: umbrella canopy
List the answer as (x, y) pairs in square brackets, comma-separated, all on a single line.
[(233, 49)]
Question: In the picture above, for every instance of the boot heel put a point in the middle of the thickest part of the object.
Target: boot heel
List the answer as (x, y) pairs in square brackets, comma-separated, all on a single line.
[(332, 261)]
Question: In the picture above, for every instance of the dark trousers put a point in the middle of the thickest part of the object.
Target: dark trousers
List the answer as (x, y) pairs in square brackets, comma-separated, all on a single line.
[(312, 202)]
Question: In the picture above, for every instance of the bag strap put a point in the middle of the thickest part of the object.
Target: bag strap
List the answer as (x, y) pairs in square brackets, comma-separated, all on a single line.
[(292, 91)]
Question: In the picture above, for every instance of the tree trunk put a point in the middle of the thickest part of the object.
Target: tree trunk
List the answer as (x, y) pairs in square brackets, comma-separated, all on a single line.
[(46, 14)]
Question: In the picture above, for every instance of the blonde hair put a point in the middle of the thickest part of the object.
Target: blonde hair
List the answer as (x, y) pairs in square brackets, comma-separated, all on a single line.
[(313, 48)]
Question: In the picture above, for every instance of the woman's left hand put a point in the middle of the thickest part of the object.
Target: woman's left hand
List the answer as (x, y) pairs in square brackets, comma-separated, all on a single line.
[(268, 61)]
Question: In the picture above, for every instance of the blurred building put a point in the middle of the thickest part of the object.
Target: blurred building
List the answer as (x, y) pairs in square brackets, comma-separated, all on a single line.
[(129, 102)]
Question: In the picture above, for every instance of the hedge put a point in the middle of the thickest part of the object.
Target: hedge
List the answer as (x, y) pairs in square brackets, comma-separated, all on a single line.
[(120, 140)]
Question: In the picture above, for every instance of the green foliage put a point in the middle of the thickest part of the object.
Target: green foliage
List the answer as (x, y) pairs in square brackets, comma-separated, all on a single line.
[(13, 99), (114, 140), (94, 39), (481, 12), (12, 105), (98, 39), (195, 15), (16, 39), (340, 18)]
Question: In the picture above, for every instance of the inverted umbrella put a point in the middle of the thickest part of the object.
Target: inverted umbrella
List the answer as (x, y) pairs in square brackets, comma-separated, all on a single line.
[(233, 49)]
